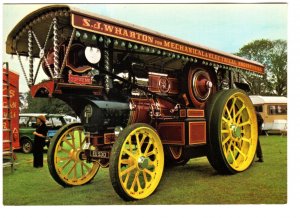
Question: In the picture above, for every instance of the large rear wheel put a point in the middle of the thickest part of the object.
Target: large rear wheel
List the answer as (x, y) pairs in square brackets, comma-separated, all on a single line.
[(232, 132), (65, 162), (136, 162)]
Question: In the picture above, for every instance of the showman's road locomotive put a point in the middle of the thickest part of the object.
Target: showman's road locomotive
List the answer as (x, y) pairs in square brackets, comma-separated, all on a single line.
[(145, 99)]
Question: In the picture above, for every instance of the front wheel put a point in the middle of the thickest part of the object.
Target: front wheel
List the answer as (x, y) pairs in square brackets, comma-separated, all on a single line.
[(137, 162), (233, 132), (65, 162)]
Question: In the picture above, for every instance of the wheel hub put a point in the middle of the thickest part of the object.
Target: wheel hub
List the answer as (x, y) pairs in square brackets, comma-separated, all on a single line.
[(201, 86), (143, 162), (236, 131), (75, 154)]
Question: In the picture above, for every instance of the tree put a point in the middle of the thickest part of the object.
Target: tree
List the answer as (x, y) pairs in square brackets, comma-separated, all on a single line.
[(273, 55), (46, 105)]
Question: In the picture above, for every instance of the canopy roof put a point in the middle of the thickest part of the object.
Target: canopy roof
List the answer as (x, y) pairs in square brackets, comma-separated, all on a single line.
[(70, 17), (257, 99), (38, 114)]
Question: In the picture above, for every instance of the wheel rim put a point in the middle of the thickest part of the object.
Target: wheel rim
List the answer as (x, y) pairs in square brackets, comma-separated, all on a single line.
[(238, 134), (141, 163), (200, 86), (176, 151), (27, 146), (67, 158)]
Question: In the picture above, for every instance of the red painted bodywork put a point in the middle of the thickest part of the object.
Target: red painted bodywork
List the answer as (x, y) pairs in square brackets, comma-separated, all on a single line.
[(197, 132), (163, 84), (44, 88), (172, 133), (14, 104)]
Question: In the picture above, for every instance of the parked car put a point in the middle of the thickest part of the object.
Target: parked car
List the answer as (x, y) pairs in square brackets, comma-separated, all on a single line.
[(27, 123)]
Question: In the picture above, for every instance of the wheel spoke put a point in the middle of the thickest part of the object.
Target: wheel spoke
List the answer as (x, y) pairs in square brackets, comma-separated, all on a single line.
[(129, 153), (244, 123), (226, 140), (87, 167), (130, 144), (126, 178), (226, 149), (75, 171), (151, 163), (138, 143), (240, 111), (138, 181), (63, 150), (65, 164), (233, 106), (142, 141), (127, 170), (148, 146), (68, 142), (246, 139), (71, 134), (60, 159), (148, 172), (82, 142), (228, 112), (82, 170), (225, 131), (145, 178), (150, 153), (80, 138), (225, 120), (233, 157), (125, 161), (69, 172), (240, 152), (133, 183), (238, 143), (238, 120)]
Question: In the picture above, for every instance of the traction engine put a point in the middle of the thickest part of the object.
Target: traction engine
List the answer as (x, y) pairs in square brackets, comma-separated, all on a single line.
[(145, 100)]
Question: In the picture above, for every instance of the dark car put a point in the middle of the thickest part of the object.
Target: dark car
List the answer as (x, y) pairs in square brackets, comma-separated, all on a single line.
[(28, 125)]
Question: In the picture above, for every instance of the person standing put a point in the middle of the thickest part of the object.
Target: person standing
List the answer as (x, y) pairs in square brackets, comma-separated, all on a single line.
[(39, 141), (259, 153)]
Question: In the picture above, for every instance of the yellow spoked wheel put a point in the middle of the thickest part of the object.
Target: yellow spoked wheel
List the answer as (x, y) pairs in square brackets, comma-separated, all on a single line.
[(65, 157), (233, 132), (136, 162)]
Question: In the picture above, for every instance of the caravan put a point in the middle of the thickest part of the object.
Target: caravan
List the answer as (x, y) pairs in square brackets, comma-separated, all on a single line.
[(273, 110)]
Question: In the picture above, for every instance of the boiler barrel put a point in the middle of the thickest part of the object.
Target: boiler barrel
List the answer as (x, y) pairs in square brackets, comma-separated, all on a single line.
[(98, 115)]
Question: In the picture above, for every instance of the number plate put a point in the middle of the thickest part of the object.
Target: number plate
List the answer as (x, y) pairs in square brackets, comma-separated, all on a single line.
[(99, 154)]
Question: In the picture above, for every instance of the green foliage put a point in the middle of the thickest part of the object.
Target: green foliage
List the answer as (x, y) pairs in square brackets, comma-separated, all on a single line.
[(195, 183), (273, 55), (46, 105)]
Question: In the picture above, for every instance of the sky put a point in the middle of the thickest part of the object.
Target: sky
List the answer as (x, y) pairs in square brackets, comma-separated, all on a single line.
[(226, 27)]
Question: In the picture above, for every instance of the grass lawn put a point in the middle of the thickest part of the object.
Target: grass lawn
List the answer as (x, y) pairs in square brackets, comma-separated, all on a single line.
[(195, 183)]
